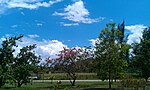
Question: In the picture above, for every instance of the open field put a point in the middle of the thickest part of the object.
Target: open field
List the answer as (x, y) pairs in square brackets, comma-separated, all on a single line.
[(63, 86), (67, 86), (88, 82)]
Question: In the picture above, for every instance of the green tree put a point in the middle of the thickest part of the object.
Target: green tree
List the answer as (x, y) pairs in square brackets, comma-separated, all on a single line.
[(6, 57), (23, 64), (141, 58), (122, 39), (108, 49)]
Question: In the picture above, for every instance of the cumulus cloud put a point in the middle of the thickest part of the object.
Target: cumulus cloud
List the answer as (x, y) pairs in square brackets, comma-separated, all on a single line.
[(134, 36), (77, 13), (50, 48), (28, 4), (136, 33), (45, 48)]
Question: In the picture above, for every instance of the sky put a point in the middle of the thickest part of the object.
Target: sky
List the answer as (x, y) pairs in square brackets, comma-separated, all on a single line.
[(54, 24)]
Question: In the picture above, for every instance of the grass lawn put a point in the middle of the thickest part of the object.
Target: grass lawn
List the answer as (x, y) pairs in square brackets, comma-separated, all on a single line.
[(65, 86), (63, 76)]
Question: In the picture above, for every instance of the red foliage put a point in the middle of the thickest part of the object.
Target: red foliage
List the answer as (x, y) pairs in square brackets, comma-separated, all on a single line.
[(49, 60), (69, 54)]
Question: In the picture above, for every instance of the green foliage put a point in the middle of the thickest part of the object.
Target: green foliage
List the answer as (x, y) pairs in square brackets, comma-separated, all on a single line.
[(23, 64), (109, 47), (17, 68), (6, 57), (141, 58)]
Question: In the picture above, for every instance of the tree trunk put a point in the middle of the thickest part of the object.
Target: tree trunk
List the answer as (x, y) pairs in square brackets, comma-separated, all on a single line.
[(146, 78), (19, 84), (109, 81), (73, 83), (72, 77), (2, 82)]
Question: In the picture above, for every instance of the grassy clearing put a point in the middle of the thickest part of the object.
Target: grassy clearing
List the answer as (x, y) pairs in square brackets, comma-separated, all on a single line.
[(67, 86), (55, 86)]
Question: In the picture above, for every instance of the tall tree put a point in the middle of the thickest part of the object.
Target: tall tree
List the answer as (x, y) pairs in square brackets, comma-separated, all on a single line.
[(107, 53), (23, 64), (122, 39), (141, 57), (6, 57), (121, 30)]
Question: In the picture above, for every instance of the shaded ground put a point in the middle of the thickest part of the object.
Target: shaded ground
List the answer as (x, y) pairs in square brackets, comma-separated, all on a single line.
[(98, 89)]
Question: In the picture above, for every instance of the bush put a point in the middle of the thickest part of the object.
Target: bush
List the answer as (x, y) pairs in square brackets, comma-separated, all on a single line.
[(132, 83)]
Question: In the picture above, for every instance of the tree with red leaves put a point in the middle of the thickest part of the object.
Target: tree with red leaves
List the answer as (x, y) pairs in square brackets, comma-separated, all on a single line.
[(70, 61), (67, 61)]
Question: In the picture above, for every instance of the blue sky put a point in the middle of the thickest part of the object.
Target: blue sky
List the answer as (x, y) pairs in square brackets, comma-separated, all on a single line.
[(53, 24)]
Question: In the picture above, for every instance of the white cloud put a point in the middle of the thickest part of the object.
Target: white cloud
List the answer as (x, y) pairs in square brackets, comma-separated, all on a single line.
[(70, 24), (93, 41), (77, 13), (45, 48), (28, 4), (33, 35), (51, 47), (136, 33), (134, 36)]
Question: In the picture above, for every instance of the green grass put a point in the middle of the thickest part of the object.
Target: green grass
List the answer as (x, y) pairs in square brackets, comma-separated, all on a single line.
[(63, 76), (65, 86)]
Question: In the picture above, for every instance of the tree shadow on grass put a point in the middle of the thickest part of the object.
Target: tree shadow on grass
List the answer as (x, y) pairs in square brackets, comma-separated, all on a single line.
[(99, 89), (7, 87)]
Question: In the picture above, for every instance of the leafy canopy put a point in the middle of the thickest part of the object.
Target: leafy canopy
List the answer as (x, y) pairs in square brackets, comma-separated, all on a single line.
[(109, 46)]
